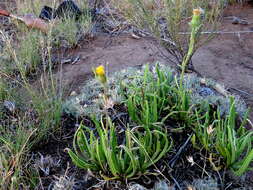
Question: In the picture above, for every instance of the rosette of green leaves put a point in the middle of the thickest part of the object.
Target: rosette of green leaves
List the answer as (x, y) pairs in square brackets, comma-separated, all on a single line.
[(234, 142), (99, 150), (227, 139)]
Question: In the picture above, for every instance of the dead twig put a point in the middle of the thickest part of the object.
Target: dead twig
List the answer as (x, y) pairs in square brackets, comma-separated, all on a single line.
[(241, 91), (175, 158), (220, 32), (219, 88)]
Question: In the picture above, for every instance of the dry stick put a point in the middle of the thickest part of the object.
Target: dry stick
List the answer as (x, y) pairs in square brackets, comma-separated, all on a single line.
[(217, 87), (8, 14), (250, 122), (175, 158), (12, 16), (30, 22), (241, 91), (175, 181)]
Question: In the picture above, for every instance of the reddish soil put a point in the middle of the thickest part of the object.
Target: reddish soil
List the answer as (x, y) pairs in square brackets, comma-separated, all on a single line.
[(115, 52), (228, 58)]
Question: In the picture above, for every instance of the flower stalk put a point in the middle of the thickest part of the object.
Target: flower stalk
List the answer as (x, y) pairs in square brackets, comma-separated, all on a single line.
[(107, 101), (196, 25)]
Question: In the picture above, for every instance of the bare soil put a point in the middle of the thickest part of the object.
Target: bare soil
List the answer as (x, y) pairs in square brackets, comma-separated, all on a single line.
[(114, 52), (228, 58)]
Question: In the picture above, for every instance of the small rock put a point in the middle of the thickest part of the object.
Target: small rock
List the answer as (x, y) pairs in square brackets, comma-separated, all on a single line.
[(73, 93), (10, 106), (205, 91), (237, 20), (161, 185), (136, 187)]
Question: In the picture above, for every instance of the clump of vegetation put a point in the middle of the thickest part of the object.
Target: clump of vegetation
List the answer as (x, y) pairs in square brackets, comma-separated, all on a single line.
[(160, 102), (140, 149), (26, 55), (29, 54), (68, 33), (154, 101), (221, 137)]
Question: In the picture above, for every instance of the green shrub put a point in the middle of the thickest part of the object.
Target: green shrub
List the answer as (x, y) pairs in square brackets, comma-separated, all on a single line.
[(29, 52), (118, 160), (167, 19), (68, 32)]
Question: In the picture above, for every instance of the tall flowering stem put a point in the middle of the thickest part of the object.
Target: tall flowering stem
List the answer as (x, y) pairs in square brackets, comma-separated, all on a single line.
[(196, 25), (101, 76)]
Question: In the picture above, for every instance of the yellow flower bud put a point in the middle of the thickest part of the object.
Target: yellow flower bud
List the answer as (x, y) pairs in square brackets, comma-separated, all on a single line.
[(196, 19), (196, 12), (100, 71)]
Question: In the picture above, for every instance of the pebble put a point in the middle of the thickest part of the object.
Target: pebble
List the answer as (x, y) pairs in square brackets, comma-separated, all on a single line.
[(10, 106), (205, 91)]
